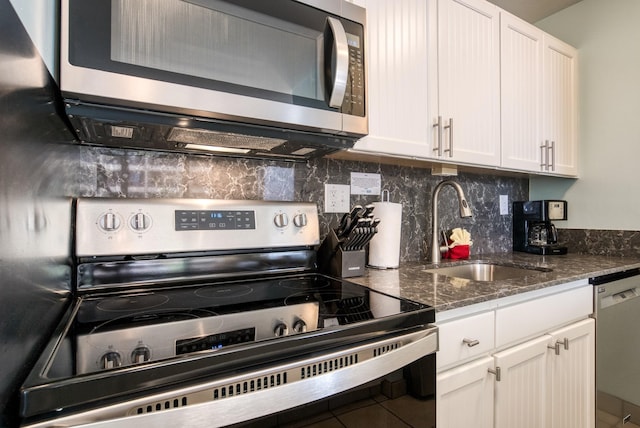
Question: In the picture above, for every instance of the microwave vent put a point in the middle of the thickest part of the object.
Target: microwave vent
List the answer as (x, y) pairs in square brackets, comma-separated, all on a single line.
[(223, 139)]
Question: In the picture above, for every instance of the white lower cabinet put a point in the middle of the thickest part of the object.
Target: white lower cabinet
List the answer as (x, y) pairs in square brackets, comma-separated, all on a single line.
[(465, 395), (541, 380), (571, 376), (520, 392)]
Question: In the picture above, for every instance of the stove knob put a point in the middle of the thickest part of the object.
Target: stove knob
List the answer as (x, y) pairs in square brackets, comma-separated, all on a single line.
[(140, 222), (281, 220), (110, 360), (109, 222), (141, 354), (300, 220), (300, 326), (281, 330)]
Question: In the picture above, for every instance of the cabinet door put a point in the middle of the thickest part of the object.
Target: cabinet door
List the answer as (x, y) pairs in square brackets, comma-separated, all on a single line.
[(397, 78), (571, 376), (520, 394), (560, 107), (465, 396), (468, 81), (521, 50)]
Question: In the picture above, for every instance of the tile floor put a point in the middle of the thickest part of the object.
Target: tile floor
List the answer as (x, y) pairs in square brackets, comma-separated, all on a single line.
[(375, 412), (367, 407)]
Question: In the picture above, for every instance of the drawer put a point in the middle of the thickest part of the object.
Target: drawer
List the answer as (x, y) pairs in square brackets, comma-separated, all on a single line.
[(520, 321), (465, 338)]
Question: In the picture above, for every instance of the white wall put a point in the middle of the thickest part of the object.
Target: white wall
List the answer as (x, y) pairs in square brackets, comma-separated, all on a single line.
[(40, 19), (607, 194)]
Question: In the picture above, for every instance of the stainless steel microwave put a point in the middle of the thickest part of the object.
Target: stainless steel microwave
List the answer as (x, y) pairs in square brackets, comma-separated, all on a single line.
[(277, 78)]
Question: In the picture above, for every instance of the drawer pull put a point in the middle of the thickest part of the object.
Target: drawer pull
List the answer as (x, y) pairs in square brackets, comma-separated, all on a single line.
[(470, 342)]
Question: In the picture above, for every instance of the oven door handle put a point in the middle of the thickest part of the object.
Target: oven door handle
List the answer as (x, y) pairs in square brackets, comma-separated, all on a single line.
[(389, 354)]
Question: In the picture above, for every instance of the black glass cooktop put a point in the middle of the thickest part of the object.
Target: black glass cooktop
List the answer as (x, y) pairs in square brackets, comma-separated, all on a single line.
[(339, 302)]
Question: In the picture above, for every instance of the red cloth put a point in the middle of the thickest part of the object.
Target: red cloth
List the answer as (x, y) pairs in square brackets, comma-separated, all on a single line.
[(457, 253)]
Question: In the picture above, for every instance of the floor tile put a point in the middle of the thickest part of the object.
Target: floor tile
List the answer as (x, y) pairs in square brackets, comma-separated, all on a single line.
[(374, 416), (354, 406), (330, 422), (315, 421), (414, 412)]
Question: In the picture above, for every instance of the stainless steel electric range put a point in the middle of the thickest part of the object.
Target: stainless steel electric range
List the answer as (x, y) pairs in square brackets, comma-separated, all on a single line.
[(211, 313)]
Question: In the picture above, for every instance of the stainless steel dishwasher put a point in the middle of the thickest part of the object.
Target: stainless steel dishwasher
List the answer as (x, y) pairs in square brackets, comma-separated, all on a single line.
[(617, 313)]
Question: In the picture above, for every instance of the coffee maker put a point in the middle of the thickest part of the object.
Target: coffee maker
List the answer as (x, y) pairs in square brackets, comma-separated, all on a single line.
[(533, 231)]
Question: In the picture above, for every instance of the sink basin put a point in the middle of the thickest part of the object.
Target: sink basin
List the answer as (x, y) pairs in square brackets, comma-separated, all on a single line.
[(487, 272)]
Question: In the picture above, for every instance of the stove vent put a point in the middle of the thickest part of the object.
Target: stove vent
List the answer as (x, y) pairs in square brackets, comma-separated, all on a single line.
[(387, 348), (327, 366), (250, 385), (278, 377), (160, 405)]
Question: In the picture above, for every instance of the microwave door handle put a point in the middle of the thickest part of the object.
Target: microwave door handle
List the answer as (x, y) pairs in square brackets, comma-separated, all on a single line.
[(336, 61)]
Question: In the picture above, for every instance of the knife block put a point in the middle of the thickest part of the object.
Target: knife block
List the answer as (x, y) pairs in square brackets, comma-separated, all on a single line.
[(335, 261)]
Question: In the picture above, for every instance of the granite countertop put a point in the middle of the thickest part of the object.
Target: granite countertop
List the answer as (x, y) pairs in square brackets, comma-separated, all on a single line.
[(444, 293)]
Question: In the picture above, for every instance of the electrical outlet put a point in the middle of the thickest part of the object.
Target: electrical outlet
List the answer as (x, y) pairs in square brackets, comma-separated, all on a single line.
[(504, 205), (336, 198)]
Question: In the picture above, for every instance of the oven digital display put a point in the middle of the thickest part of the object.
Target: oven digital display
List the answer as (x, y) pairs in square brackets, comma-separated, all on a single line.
[(215, 341), (215, 220)]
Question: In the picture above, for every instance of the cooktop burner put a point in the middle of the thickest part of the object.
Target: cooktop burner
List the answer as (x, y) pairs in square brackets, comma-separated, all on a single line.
[(224, 292), (132, 302)]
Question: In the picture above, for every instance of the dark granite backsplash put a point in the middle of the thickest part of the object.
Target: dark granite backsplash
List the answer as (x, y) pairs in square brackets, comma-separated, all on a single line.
[(127, 173), (614, 243)]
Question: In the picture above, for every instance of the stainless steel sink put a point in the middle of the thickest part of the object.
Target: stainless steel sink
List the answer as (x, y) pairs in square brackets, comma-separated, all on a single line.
[(488, 272)]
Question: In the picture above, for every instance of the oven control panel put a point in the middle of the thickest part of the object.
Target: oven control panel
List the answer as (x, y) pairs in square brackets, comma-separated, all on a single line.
[(116, 227), (119, 347), (215, 220)]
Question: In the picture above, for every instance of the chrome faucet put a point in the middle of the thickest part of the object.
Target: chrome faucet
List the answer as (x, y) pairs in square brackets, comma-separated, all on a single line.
[(465, 211)]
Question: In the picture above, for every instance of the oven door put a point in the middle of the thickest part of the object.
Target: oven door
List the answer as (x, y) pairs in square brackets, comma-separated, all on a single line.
[(271, 388), (269, 63)]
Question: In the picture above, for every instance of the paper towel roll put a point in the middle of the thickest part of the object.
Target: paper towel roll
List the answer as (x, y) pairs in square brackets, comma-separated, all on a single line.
[(384, 248)]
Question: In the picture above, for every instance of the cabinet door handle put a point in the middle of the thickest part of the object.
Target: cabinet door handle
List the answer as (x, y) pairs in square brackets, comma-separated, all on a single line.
[(470, 342), (552, 163), (450, 128), (496, 372), (438, 148), (556, 347), (544, 156)]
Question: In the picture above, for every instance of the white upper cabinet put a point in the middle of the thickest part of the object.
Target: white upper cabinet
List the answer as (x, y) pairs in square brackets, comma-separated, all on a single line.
[(521, 50), (463, 82), (538, 100), (560, 106), (396, 56), (430, 60), (467, 101)]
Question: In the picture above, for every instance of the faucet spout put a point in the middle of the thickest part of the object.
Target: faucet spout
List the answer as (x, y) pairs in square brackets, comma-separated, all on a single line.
[(465, 211)]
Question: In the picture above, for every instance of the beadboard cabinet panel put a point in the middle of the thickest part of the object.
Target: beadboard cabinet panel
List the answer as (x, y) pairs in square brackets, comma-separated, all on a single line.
[(521, 93), (468, 98), (397, 78)]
